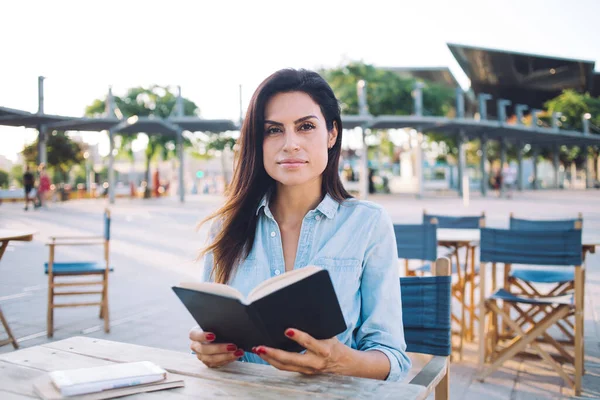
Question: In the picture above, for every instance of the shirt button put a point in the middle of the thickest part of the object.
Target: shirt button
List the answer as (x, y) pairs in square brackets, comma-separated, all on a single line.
[(318, 217), (273, 234), (277, 272)]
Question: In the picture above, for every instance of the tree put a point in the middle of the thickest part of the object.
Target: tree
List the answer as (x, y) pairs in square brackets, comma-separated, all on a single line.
[(158, 101), (387, 92), (16, 175), (574, 106), (3, 179), (62, 153)]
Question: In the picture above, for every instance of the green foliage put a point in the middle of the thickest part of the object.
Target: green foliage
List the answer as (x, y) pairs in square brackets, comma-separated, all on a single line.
[(16, 175), (156, 101), (3, 179), (63, 153), (387, 93)]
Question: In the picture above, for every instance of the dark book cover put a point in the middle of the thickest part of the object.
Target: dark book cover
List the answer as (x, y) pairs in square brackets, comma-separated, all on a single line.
[(309, 305)]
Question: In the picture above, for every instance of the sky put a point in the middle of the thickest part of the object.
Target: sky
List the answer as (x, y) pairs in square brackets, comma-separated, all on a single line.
[(211, 47)]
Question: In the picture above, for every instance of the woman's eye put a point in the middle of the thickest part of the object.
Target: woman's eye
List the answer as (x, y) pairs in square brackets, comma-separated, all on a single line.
[(306, 126), (272, 130)]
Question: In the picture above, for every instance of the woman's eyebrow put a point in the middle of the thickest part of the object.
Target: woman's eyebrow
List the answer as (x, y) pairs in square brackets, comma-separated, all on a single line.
[(267, 121)]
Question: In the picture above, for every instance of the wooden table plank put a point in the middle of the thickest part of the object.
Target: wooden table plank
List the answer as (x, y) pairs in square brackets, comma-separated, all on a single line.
[(258, 379), (27, 365)]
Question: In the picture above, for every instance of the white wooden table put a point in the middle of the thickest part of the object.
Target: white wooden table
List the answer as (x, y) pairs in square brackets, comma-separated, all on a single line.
[(6, 235), (241, 380)]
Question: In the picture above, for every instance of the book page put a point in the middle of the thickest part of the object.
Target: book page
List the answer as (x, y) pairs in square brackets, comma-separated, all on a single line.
[(213, 288), (274, 284)]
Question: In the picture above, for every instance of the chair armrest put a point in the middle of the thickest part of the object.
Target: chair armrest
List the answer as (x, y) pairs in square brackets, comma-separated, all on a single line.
[(431, 374), (77, 237), (52, 244)]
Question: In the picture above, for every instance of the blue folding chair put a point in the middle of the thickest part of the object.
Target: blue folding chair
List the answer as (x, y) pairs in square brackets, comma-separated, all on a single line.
[(426, 317), (419, 242), (56, 270), (524, 279), (468, 277), (549, 248)]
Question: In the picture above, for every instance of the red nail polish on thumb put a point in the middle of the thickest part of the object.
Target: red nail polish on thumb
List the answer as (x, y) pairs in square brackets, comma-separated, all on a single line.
[(289, 333)]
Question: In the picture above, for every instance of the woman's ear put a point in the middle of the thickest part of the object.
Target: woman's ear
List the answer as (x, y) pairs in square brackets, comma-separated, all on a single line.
[(333, 134)]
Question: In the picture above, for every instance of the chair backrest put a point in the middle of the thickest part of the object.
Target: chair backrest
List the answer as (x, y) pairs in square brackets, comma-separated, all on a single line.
[(455, 222), (426, 311), (416, 242), (107, 224), (542, 225), (549, 247)]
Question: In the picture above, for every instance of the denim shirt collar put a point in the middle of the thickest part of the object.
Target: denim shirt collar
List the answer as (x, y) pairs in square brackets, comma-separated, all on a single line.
[(328, 206)]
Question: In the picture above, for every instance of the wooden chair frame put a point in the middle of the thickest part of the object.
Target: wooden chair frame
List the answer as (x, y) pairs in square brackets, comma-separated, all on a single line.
[(59, 241), (527, 331)]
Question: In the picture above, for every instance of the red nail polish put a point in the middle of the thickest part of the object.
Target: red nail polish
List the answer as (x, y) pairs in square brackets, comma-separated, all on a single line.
[(261, 350), (254, 349), (239, 353), (210, 336), (289, 333), (231, 347)]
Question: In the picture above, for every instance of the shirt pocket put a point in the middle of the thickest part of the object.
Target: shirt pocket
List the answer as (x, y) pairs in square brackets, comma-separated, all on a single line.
[(344, 272)]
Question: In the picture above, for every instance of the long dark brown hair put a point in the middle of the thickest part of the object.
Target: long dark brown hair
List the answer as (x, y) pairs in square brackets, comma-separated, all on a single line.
[(237, 219)]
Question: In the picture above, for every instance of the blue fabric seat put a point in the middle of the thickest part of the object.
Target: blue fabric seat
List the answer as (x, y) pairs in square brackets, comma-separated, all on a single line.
[(505, 295), (77, 268)]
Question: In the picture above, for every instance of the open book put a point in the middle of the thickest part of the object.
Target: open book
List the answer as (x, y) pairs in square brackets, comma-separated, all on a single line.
[(303, 299)]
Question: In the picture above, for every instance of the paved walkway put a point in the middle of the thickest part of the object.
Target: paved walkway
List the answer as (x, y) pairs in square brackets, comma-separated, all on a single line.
[(155, 243)]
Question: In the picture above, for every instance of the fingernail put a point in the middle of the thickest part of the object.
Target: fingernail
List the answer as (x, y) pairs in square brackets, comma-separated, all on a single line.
[(239, 353), (261, 350), (254, 349), (210, 336), (231, 347), (289, 333)]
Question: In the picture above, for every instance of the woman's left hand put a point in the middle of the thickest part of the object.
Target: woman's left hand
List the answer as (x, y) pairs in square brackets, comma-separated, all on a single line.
[(321, 356)]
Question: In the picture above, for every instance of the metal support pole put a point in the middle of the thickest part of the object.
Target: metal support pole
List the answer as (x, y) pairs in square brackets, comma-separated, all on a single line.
[(418, 98), (42, 131), (555, 120), (534, 159), (483, 98), (180, 112), (556, 163), (111, 167), (585, 119), (361, 90), (460, 103), (502, 162), (461, 162), (519, 109), (520, 183), (364, 166), (483, 160), (501, 105), (419, 167), (586, 164)]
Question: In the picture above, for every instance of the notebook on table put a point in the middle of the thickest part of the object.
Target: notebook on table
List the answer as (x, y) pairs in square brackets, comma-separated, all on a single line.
[(105, 382)]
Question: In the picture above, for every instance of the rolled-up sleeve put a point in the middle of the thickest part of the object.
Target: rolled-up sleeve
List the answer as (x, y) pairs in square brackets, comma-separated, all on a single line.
[(381, 309)]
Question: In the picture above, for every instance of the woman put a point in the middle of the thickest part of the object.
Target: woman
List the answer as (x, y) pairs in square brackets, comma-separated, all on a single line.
[(44, 185), (286, 208)]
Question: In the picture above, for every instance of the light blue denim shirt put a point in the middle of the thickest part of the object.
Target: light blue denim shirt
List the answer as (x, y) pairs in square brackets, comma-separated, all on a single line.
[(355, 242)]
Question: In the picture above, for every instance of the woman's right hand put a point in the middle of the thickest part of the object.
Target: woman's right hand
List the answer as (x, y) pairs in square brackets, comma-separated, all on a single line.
[(213, 355)]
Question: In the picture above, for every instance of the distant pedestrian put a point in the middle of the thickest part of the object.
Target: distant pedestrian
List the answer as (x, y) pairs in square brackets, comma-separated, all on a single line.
[(44, 185), (28, 183)]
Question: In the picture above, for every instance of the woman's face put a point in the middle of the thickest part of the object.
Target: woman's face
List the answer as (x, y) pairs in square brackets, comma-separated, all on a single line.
[(296, 140)]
